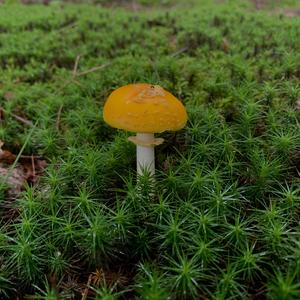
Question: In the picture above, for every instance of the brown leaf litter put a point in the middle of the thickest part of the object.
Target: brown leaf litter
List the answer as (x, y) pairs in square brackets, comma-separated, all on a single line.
[(27, 170)]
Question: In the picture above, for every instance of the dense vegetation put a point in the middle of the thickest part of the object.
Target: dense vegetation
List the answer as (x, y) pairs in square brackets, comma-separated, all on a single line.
[(224, 221)]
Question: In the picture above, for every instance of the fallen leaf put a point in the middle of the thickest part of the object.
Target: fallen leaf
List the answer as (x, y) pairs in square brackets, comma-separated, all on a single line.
[(28, 169), (15, 180)]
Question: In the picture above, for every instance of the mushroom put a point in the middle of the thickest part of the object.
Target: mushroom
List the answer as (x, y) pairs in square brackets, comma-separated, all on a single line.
[(145, 109)]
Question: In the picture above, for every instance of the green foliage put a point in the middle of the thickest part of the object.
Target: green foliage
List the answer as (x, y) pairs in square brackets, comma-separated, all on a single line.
[(221, 219)]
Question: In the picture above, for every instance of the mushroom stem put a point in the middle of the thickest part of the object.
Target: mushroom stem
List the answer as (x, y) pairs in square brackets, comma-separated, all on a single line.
[(145, 153)]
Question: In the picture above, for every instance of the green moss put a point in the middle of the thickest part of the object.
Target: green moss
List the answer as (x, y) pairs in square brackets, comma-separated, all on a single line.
[(223, 223)]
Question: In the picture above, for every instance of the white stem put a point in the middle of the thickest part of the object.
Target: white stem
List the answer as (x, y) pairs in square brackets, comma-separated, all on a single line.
[(145, 154)]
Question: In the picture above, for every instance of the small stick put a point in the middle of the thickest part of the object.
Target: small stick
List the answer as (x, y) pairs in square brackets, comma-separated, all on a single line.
[(30, 156), (75, 74), (76, 66), (58, 117), (179, 52), (33, 166), (93, 69), (86, 290), (22, 120), (69, 26)]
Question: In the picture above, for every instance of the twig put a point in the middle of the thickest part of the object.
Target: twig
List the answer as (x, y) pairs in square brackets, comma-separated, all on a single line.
[(86, 290), (33, 167), (179, 51), (93, 69), (58, 117), (75, 74), (76, 66), (22, 120), (69, 26), (30, 156)]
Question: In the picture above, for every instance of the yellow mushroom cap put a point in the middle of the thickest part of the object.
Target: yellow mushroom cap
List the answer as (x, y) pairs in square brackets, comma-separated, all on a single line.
[(144, 108)]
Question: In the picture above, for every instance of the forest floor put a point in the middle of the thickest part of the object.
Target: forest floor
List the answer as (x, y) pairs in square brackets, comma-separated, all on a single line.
[(221, 221)]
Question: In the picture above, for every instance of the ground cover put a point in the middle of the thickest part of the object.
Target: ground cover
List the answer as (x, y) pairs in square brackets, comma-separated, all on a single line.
[(224, 222)]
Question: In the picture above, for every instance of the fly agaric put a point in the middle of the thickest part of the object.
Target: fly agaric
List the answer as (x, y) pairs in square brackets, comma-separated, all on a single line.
[(145, 109)]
